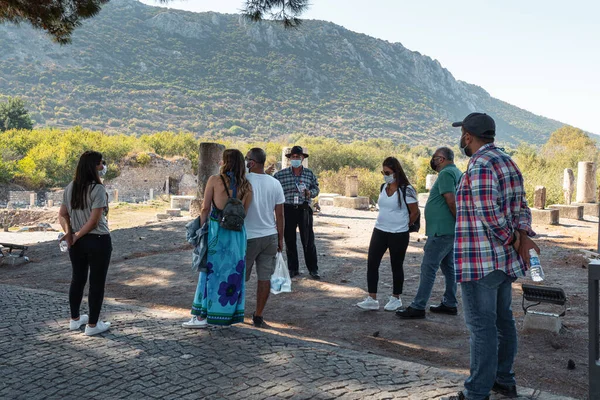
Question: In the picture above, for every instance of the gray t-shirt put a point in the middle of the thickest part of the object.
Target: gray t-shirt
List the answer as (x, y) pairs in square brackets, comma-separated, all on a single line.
[(97, 198)]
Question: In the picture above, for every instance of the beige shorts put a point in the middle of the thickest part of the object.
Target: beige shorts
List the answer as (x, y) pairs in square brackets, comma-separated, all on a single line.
[(262, 252)]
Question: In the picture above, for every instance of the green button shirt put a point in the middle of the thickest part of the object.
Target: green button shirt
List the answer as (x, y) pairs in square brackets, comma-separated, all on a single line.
[(438, 218)]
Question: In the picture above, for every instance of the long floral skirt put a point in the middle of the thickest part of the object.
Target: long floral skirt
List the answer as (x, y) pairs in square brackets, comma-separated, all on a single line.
[(220, 294)]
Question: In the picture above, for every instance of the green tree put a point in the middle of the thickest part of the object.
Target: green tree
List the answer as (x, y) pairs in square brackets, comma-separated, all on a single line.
[(14, 115)]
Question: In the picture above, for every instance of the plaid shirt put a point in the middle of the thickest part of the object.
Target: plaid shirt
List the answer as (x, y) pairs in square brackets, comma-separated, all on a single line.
[(289, 181), (490, 206)]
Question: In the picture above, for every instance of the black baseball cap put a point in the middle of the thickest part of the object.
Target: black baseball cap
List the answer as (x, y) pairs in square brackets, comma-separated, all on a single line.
[(297, 150), (478, 124)]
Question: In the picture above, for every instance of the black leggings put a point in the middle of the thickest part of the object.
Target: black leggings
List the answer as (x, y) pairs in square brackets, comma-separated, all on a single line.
[(91, 252), (381, 241)]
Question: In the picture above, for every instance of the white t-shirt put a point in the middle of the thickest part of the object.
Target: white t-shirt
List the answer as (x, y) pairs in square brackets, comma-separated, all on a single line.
[(266, 194), (392, 217)]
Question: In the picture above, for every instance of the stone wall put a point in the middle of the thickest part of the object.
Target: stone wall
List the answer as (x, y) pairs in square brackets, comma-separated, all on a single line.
[(135, 180), (21, 197)]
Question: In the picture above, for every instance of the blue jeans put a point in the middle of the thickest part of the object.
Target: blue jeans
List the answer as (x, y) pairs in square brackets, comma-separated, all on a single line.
[(488, 314), (439, 253)]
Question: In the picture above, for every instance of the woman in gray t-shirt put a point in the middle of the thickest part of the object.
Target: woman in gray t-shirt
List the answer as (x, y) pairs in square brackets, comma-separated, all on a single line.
[(83, 218)]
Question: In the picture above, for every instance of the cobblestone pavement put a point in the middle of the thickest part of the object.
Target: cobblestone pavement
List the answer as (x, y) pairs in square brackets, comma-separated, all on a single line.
[(148, 355)]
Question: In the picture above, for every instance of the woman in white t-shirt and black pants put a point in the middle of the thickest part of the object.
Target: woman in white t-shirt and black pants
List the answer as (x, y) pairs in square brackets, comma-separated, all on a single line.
[(391, 233)]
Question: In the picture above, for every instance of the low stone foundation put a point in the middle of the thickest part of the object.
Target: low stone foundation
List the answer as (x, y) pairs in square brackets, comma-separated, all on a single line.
[(590, 209), (182, 202), (545, 217), (570, 212), (356, 203)]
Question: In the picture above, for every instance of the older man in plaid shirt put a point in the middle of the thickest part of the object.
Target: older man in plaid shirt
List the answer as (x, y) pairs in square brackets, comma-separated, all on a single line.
[(491, 250)]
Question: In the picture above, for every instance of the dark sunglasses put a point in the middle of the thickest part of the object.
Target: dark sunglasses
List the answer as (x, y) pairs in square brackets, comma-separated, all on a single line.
[(102, 162), (387, 173), (249, 159)]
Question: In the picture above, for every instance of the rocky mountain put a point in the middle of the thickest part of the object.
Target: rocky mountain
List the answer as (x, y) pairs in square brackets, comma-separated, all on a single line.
[(139, 69)]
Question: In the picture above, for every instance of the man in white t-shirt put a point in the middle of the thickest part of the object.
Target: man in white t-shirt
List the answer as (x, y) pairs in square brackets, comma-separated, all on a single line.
[(264, 228)]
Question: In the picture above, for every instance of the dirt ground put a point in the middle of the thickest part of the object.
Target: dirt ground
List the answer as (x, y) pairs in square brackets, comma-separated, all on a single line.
[(151, 267)]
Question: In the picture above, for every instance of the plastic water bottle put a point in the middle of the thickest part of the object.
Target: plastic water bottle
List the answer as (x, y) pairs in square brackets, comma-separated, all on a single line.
[(535, 269), (277, 282), (64, 247)]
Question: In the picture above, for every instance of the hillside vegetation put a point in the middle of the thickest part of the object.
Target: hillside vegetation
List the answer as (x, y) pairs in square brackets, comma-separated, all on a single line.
[(136, 69), (44, 158)]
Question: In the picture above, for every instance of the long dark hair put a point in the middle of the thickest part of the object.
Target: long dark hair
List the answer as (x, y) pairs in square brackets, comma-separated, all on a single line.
[(393, 164), (85, 175), (233, 162)]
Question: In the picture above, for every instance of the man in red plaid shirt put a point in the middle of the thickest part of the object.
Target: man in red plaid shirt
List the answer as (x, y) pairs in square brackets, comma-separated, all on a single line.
[(491, 250)]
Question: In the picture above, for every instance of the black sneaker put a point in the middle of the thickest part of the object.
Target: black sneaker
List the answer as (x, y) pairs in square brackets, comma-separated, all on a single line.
[(443, 309), (459, 396), (259, 322), (410, 313), (505, 390), (294, 273), (315, 275)]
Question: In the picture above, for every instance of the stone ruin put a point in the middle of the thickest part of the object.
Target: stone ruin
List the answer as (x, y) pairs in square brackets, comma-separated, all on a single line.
[(159, 176)]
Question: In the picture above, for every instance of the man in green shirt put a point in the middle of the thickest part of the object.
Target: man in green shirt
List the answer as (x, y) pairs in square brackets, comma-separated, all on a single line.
[(440, 218)]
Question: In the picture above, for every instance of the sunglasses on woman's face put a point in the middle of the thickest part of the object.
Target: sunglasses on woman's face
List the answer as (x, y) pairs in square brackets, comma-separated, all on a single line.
[(102, 162), (387, 173)]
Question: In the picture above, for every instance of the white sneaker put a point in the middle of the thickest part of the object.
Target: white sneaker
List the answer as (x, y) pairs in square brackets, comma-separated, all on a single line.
[(393, 304), (75, 325), (368, 304), (195, 323), (99, 328)]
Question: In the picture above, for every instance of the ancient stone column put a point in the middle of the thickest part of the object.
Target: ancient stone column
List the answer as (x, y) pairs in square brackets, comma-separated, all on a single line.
[(568, 185), (32, 198), (539, 197), (285, 162), (116, 196), (151, 194), (352, 186), (429, 181), (50, 203), (209, 156), (586, 182), (167, 187)]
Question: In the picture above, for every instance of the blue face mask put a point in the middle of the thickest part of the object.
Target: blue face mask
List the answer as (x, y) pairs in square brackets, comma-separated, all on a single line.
[(388, 178), (296, 163)]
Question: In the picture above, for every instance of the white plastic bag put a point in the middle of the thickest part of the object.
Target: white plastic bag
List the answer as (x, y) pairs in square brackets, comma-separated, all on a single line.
[(280, 280)]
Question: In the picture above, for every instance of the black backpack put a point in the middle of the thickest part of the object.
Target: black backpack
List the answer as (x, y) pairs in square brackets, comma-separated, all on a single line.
[(417, 224), (233, 214)]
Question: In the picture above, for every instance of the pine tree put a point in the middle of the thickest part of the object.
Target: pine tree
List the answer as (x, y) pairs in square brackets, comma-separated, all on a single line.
[(14, 115)]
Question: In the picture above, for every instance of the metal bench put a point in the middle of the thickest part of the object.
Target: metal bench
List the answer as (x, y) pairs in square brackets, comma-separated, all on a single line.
[(7, 253)]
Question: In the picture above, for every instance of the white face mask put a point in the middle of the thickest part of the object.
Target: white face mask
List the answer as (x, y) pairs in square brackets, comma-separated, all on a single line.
[(296, 163), (103, 171), (388, 178)]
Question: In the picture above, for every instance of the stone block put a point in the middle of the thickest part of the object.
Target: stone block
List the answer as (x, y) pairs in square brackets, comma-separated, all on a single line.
[(430, 180), (423, 197), (570, 212), (534, 321), (161, 216), (356, 203), (182, 202), (174, 212), (352, 186), (589, 209), (326, 199), (545, 217), (539, 197)]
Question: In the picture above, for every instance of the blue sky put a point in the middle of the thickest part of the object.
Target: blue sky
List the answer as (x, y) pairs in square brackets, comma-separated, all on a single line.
[(543, 56)]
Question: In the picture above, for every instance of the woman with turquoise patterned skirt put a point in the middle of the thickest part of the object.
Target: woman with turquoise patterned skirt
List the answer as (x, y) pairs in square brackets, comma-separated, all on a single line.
[(220, 294)]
